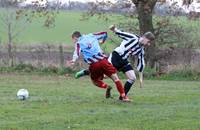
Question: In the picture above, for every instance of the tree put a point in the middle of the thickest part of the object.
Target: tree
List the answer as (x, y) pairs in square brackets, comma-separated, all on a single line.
[(14, 19), (9, 23), (144, 10)]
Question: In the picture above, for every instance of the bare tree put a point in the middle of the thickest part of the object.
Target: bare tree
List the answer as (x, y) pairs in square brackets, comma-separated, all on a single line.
[(9, 23), (144, 9), (14, 19)]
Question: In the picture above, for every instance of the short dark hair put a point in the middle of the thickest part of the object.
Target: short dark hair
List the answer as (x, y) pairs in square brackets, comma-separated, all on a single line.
[(76, 34), (149, 35)]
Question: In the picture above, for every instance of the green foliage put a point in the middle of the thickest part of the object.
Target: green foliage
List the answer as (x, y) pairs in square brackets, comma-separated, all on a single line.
[(177, 32), (174, 31), (62, 71), (60, 103), (180, 75), (28, 68), (24, 68), (149, 73), (66, 22), (18, 68)]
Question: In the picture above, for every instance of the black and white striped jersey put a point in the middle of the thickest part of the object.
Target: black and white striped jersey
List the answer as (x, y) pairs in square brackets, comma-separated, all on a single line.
[(130, 46)]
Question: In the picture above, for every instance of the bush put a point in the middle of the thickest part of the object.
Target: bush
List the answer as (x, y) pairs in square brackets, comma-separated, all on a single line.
[(28, 68), (181, 75), (176, 75), (149, 74)]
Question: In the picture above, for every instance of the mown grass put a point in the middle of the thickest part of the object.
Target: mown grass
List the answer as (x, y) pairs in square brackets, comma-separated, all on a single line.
[(62, 103), (68, 21)]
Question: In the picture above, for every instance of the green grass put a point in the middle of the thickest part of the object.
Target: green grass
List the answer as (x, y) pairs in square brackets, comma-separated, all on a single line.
[(68, 21), (191, 31), (63, 103)]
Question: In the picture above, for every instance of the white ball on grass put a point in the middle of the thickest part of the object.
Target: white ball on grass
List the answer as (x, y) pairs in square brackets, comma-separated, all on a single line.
[(22, 94)]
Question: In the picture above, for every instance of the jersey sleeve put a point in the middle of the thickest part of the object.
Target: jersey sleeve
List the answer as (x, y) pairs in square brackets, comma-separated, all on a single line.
[(101, 36), (124, 35), (76, 52), (141, 63)]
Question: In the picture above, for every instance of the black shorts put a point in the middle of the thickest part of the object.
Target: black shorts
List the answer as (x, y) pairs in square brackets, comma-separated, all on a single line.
[(119, 63)]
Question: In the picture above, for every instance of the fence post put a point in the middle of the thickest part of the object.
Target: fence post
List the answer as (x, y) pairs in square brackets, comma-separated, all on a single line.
[(61, 56), (49, 54), (14, 56), (10, 55)]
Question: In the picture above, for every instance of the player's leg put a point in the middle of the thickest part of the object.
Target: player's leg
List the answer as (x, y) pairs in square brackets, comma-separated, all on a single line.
[(119, 87), (111, 72), (130, 74), (97, 76), (81, 73), (131, 78), (124, 66), (101, 84)]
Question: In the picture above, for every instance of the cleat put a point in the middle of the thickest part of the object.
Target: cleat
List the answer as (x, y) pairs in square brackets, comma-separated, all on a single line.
[(108, 92), (79, 74), (120, 97), (124, 99)]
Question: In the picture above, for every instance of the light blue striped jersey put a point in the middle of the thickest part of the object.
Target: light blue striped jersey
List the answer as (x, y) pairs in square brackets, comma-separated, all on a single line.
[(89, 46)]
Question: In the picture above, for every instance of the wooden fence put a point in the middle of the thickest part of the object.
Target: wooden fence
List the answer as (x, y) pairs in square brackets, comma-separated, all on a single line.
[(37, 55), (166, 60)]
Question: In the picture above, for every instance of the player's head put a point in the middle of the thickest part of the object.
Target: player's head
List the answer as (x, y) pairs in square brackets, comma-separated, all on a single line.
[(147, 38), (75, 36)]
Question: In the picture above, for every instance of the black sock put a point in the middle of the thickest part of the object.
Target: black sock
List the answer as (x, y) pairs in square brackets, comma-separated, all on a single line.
[(127, 86), (86, 72)]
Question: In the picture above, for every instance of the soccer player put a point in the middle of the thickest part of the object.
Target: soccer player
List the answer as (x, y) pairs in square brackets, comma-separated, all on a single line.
[(131, 45), (99, 66)]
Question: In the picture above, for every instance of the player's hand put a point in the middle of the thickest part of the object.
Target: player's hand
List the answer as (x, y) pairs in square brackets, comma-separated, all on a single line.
[(112, 27), (101, 41), (70, 63)]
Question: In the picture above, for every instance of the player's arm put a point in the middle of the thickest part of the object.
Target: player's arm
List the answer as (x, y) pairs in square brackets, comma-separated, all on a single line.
[(122, 34), (140, 68), (141, 63), (101, 36), (76, 54)]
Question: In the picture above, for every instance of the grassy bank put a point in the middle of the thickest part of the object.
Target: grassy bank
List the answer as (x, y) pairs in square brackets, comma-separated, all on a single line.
[(68, 21)]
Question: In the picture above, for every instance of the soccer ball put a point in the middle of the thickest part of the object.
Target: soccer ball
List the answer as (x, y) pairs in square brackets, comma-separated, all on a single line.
[(22, 94)]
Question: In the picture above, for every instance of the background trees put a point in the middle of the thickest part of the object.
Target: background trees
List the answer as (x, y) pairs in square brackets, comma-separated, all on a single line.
[(144, 15), (14, 19)]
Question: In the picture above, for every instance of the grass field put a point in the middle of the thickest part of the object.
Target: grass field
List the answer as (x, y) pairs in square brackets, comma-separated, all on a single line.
[(68, 21), (60, 103)]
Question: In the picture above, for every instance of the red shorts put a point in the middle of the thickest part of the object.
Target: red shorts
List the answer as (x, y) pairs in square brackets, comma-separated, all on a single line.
[(98, 69)]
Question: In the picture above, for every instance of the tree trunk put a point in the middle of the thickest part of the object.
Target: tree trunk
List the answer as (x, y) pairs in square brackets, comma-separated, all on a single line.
[(145, 17), (145, 9)]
